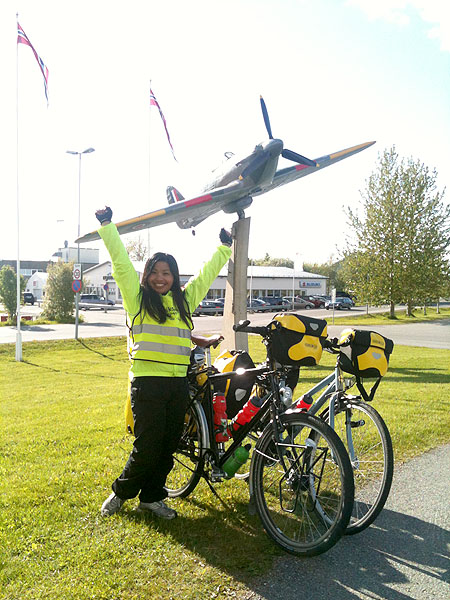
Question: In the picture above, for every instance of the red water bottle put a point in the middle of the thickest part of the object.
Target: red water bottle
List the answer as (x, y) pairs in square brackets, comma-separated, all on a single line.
[(220, 417), (246, 414), (304, 403)]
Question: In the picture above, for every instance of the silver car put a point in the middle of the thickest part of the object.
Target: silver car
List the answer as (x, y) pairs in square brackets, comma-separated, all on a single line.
[(299, 302)]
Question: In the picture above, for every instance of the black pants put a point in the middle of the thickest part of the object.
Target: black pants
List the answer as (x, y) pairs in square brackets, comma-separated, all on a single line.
[(158, 405)]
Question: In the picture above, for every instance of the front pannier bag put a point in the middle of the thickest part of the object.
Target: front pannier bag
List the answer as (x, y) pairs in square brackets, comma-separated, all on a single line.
[(299, 341), (237, 389), (364, 354)]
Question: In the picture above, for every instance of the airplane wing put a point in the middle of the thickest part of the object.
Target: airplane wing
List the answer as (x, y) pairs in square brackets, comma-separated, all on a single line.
[(284, 176), (194, 209)]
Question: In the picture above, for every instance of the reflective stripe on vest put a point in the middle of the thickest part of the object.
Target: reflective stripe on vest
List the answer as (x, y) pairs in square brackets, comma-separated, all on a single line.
[(160, 330), (160, 343)]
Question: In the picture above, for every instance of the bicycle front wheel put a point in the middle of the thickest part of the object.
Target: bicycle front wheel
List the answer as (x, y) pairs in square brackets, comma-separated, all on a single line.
[(369, 445), (302, 483), (188, 459)]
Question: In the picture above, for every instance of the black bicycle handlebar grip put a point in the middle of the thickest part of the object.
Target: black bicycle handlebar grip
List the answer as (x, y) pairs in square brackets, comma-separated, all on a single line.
[(240, 325), (245, 328)]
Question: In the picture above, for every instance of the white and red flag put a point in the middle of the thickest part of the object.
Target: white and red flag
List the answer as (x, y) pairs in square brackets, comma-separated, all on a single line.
[(154, 102), (22, 38)]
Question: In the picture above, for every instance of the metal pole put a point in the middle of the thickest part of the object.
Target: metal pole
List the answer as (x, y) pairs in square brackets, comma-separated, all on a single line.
[(77, 295), (18, 331), (293, 286)]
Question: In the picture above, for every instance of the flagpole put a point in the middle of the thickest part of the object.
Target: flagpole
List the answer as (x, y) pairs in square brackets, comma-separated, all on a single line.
[(18, 331), (149, 161)]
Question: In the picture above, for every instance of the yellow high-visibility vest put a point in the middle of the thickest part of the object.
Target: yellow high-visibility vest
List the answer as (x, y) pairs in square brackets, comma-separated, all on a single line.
[(158, 349)]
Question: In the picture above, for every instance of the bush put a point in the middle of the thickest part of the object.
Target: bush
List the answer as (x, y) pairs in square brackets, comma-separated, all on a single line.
[(8, 291), (59, 297)]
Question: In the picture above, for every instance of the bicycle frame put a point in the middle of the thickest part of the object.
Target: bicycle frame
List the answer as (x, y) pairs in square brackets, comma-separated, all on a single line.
[(203, 397), (334, 388)]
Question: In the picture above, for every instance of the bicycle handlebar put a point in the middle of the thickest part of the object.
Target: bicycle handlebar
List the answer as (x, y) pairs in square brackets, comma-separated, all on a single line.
[(245, 327), (332, 345)]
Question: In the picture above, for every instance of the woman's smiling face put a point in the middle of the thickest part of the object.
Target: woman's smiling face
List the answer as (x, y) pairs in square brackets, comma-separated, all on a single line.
[(160, 278)]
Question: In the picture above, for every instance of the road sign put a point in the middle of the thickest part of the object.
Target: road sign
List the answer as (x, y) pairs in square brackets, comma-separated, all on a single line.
[(333, 295), (77, 271), (76, 286), (105, 287)]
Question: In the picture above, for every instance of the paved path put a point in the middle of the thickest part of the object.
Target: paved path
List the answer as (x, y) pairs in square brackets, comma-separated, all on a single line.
[(405, 554), (434, 334)]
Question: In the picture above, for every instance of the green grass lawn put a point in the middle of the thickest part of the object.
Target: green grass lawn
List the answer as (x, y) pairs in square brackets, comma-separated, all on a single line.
[(350, 318), (63, 443)]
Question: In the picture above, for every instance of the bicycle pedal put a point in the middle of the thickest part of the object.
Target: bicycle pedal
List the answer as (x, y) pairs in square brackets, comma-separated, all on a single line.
[(217, 474)]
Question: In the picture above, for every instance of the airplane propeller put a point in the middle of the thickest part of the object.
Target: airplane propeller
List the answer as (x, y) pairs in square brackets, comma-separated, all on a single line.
[(288, 154)]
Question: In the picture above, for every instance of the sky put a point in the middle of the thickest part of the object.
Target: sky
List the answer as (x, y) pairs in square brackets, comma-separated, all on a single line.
[(333, 73)]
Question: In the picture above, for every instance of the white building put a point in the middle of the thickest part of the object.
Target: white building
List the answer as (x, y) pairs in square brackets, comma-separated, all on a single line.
[(36, 285), (261, 281), (88, 256)]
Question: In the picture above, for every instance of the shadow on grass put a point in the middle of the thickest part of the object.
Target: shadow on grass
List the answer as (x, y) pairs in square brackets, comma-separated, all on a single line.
[(83, 343), (227, 538), (91, 374)]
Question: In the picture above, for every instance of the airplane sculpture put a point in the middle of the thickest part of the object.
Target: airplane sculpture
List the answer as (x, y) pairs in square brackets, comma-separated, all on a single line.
[(235, 185)]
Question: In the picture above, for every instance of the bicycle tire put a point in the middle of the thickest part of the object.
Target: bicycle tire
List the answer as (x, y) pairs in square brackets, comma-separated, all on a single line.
[(373, 462), (305, 498), (188, 458)]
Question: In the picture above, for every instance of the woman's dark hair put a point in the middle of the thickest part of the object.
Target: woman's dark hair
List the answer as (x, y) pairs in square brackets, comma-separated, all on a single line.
[(151, 300)]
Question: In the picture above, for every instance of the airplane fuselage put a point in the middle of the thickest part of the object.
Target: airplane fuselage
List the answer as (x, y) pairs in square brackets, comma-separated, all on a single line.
[(256, 169)]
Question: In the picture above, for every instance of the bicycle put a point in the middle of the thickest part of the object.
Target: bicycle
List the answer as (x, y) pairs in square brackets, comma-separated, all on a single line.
[(365, 436), (301, 480)]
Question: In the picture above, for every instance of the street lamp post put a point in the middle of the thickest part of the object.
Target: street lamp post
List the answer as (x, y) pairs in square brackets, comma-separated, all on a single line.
[(77, 295)]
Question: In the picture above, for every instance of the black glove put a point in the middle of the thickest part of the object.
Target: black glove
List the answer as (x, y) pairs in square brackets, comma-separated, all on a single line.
[(104, 214), (225, 237)]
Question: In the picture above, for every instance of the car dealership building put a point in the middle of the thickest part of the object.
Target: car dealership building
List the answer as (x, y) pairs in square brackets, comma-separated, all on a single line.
[(261, 281)]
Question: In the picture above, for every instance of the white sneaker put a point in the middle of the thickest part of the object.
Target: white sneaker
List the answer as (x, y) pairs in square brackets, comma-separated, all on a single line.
[(159, 508), (111, 505)]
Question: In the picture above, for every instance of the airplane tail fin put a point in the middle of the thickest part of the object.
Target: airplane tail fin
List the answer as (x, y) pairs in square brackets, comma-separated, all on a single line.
[(173, 195)]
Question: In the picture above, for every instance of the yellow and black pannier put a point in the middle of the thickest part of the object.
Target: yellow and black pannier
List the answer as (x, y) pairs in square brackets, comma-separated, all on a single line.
[(364, 354), (299, 340), (236, 389)]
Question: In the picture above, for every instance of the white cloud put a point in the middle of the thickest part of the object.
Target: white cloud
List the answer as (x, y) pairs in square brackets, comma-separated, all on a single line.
[(434, 12), (393, 11)]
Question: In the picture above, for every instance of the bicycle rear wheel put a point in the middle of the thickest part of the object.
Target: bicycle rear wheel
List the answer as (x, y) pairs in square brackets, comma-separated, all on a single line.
[(369, 445), (302, 484), (188, 459)]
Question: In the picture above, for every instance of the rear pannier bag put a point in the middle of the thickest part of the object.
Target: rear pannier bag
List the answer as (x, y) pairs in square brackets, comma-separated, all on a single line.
[(238, 388), (364, 354), (299, 341)]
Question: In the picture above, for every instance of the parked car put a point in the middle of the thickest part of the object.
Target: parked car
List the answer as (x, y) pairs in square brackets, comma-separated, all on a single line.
[(340, 304), (209, 307), (275, 302), (28, 298), (299, 302), (316, 300), (88, 301), (258, 305), (346, 295)]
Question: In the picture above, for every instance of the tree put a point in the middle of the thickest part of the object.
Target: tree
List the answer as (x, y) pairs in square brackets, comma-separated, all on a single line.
[(268, 261), (401, 240), (137, 250), (8, 290), (332, 270), (59, 297)]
